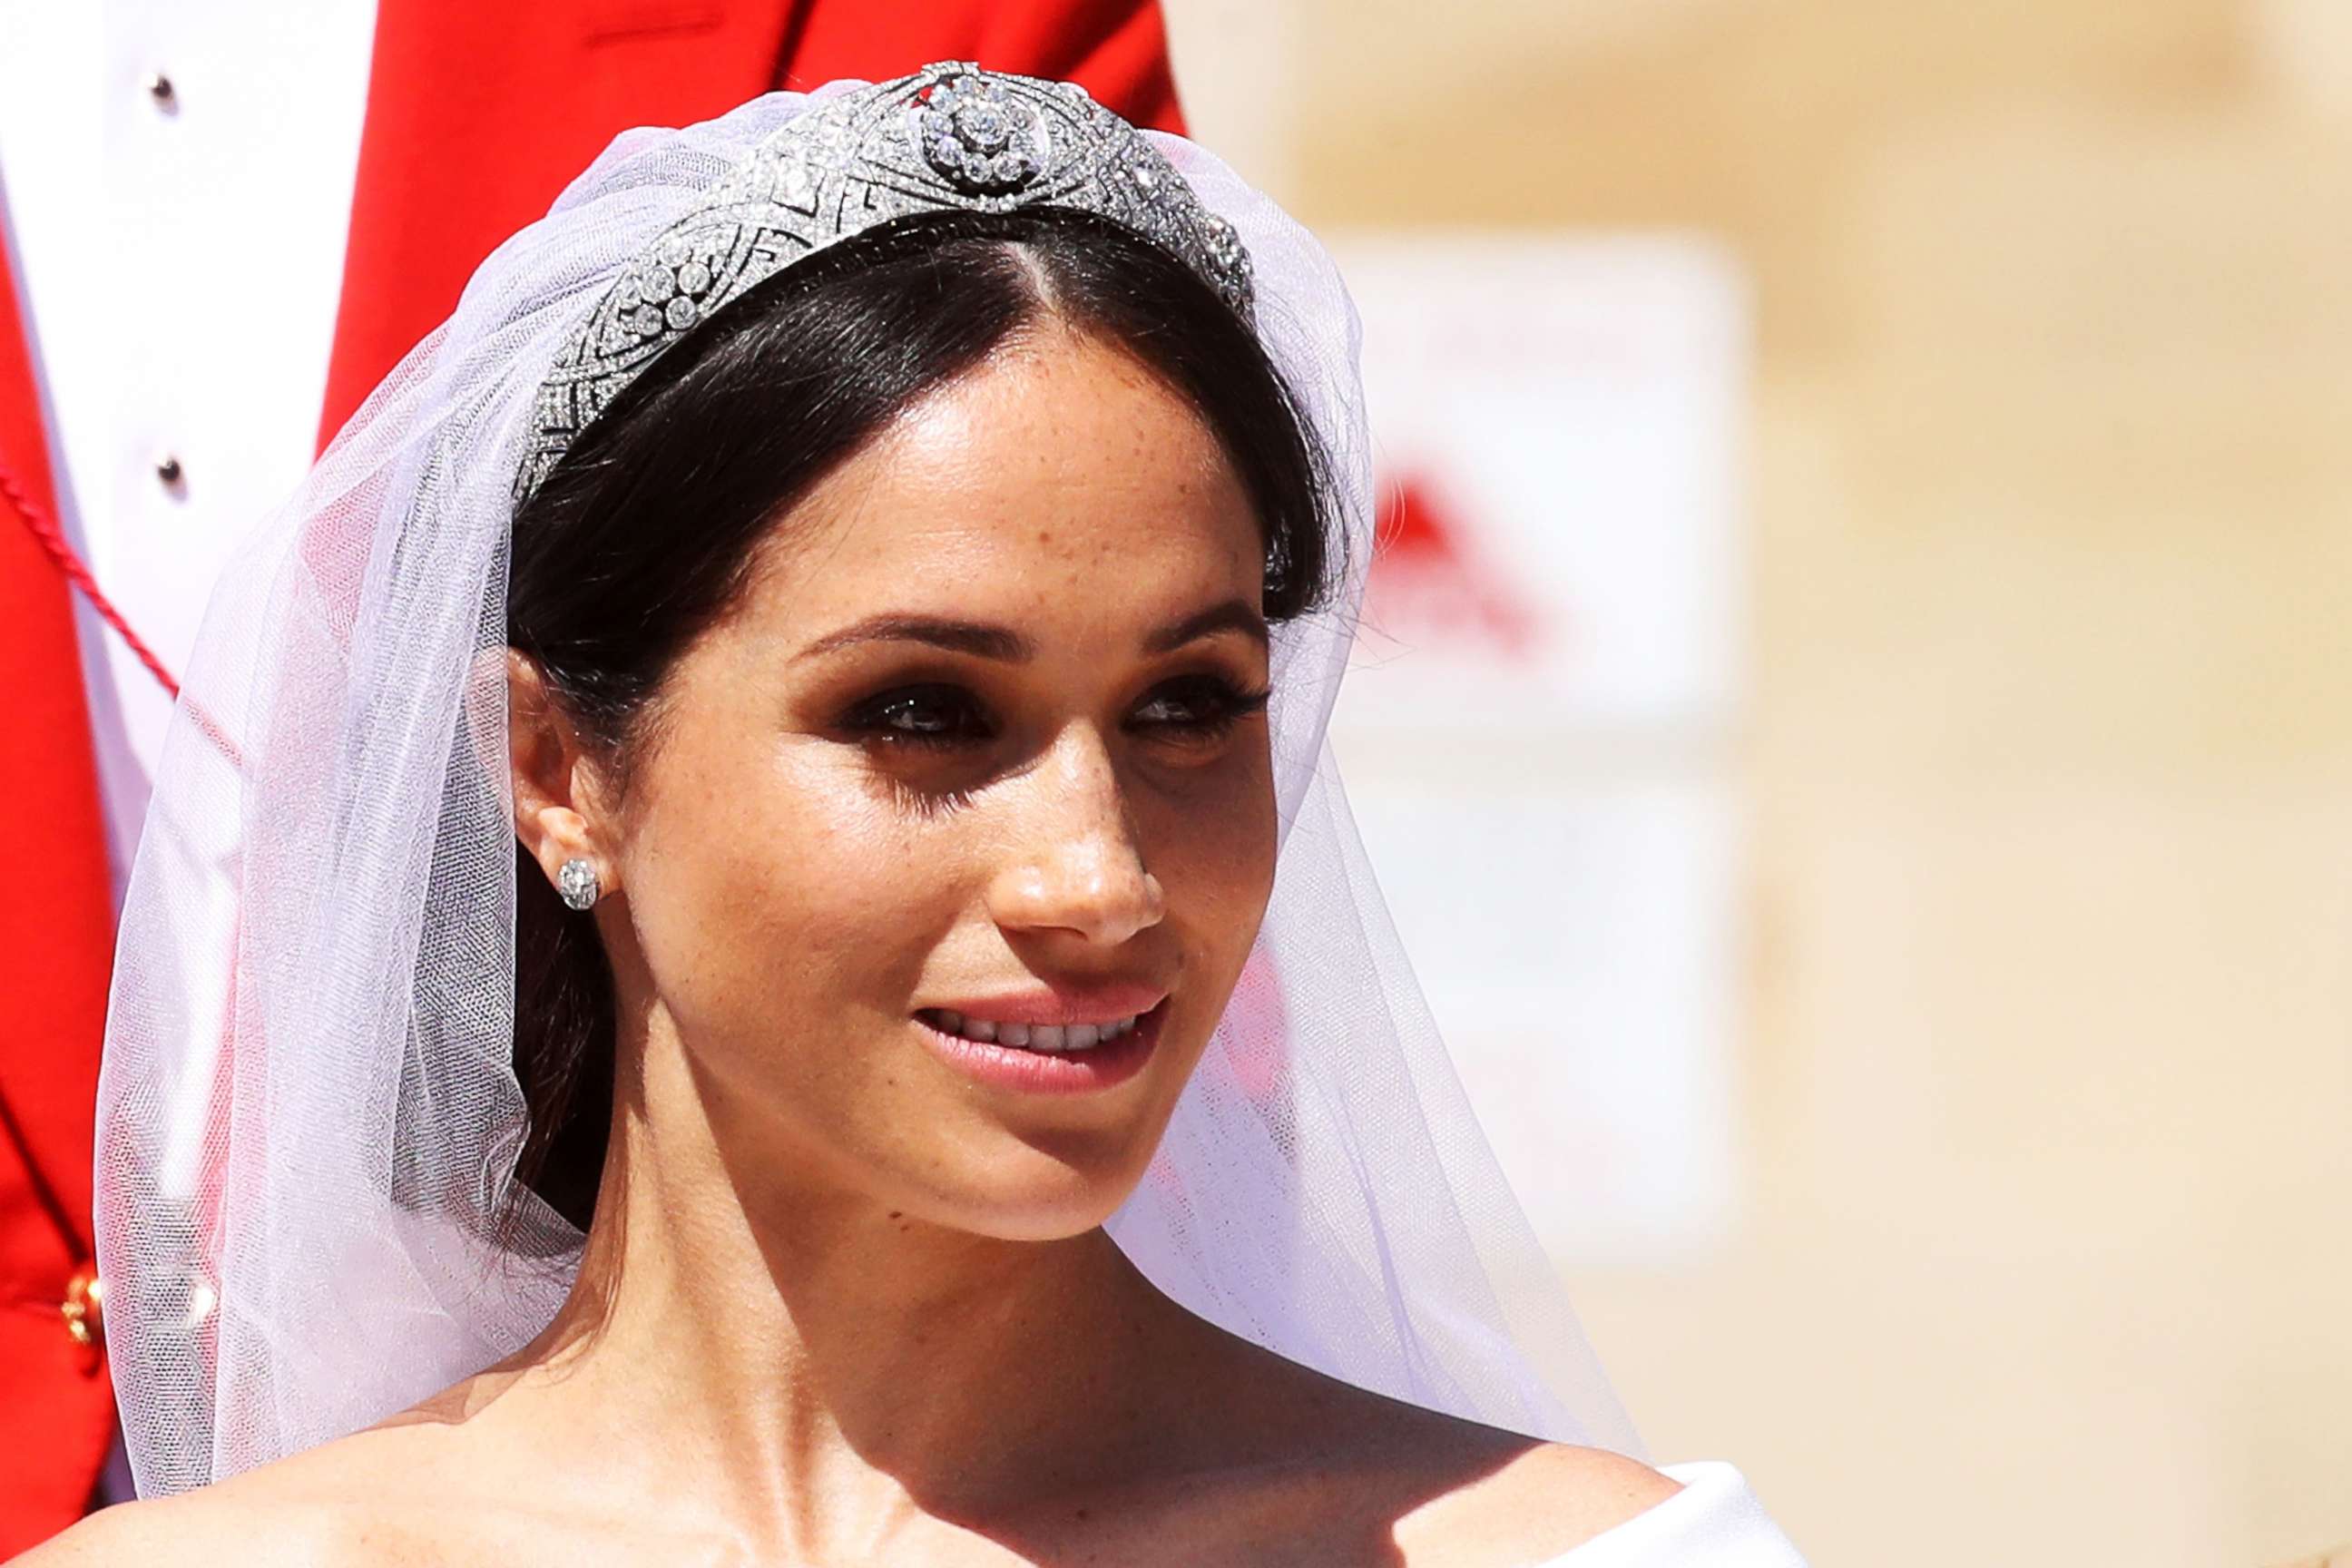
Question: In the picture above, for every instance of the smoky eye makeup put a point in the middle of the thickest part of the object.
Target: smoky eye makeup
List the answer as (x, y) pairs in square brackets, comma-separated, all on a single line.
[(1204, 706), (1191, 709), (935, 714)]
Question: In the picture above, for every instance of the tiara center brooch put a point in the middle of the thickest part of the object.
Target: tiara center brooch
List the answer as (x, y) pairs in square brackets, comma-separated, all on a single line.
[(980, 139)]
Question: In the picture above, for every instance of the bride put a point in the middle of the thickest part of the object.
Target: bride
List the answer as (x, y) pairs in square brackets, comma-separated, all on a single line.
[(748, 950)]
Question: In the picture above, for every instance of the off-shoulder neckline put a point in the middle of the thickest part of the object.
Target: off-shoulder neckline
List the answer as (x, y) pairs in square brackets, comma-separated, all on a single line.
[(1714, 1497)]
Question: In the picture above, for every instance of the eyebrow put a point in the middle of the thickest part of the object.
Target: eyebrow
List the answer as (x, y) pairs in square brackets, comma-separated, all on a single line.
[(1002, 643)]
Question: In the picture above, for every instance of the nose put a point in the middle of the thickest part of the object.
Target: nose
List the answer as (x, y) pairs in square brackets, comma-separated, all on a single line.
[(1078, 865)]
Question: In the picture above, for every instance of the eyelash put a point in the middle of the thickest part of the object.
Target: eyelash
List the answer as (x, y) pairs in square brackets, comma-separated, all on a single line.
[(874, 718)]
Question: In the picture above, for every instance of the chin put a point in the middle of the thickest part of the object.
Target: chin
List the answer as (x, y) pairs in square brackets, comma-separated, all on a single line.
[(1035, 1194)]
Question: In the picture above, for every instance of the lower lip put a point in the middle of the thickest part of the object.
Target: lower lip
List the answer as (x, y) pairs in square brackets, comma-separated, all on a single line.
[(1051, 1072)]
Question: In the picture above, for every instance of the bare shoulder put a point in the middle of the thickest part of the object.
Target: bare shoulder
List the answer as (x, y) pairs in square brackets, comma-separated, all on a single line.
[(355, 1500), (1387, 1481), (199, 1528), (1538, 1504)]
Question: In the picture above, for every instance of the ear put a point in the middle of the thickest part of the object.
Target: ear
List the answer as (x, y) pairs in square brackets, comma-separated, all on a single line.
[(557, 811)]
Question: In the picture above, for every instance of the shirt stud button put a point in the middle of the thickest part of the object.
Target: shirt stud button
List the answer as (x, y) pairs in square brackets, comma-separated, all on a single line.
[(160, 88), (168, 470)]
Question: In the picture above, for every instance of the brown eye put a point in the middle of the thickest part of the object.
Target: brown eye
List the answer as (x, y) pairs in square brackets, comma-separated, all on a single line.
[(929, 715), (1196, 706)]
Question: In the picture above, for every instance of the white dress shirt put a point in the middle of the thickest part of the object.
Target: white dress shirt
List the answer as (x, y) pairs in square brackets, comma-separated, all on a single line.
[(175, 176)]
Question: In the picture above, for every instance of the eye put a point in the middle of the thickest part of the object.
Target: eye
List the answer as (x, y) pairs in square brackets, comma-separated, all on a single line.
[(930, 715), (1196, 707)]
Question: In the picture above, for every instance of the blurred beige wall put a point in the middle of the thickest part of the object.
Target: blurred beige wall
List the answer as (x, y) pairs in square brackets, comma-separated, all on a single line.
[(2046, 1254)]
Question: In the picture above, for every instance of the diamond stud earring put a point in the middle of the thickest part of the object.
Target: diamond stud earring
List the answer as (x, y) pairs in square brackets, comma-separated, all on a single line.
[(577, 883)]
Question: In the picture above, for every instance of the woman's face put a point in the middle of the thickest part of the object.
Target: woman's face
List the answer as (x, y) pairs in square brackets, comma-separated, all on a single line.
[(980, 752)]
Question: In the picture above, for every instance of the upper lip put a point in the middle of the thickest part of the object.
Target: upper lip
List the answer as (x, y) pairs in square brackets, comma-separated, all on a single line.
[(1099, 1002)]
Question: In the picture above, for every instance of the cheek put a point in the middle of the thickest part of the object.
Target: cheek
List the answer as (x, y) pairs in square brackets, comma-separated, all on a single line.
[(768, 881), (1211, 843)]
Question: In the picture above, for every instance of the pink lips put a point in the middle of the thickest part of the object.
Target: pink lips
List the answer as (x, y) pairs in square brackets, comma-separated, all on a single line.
[(1062, 1005), (1029, 1072)]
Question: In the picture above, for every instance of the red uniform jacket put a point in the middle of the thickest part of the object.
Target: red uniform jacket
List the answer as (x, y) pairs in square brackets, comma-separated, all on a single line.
[(476, 116)]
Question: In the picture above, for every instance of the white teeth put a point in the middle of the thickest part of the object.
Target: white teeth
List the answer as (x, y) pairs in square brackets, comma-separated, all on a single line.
[(1055, 1037)]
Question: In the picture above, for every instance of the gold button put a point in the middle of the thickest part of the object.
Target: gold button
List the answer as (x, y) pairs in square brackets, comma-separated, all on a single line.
[(85, 1307)]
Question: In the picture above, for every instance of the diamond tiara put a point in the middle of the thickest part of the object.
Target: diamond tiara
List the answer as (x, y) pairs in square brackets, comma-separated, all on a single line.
[(950, 138)]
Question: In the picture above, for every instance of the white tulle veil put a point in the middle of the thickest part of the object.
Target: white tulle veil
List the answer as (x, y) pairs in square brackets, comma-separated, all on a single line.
[(308, 1119)]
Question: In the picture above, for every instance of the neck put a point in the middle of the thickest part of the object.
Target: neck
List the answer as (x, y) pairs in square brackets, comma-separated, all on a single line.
[(831, 1365)]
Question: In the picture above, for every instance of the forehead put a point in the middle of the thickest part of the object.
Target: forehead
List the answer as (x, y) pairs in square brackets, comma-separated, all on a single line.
[(1060, 461)]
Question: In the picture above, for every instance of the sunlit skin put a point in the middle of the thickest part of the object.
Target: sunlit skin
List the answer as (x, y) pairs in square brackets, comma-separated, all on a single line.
[(843, 1301)]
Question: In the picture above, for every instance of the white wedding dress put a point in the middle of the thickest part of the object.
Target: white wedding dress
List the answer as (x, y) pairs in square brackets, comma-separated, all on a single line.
[(1715, 1522)]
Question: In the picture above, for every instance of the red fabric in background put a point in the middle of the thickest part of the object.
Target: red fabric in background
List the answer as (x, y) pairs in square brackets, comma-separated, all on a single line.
[(56, 942), (478, 115)]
